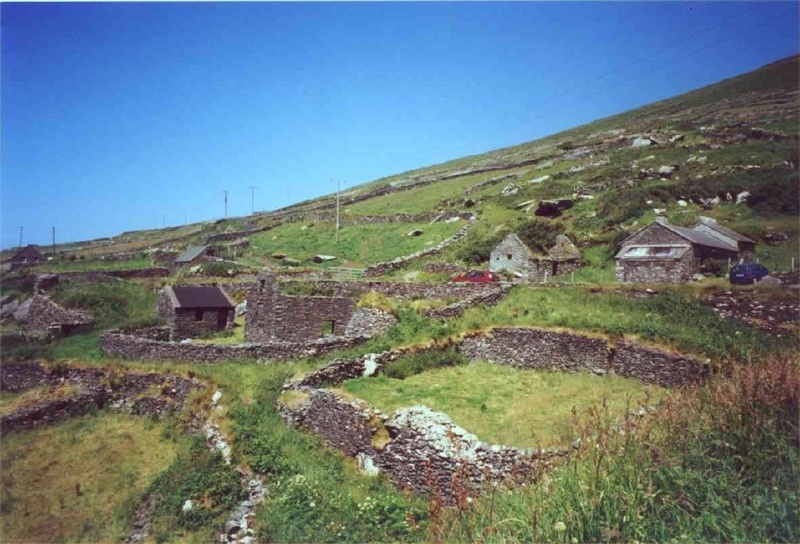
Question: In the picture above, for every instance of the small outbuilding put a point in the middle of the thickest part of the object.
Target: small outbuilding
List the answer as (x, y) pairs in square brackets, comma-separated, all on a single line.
[(666, 253), (193, 311), (191, 256), (513, 256)]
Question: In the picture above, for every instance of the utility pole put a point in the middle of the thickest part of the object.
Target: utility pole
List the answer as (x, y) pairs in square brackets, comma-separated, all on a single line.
[(252, 198), (226, 203), (338, 183), (54, 240), (20, 235)]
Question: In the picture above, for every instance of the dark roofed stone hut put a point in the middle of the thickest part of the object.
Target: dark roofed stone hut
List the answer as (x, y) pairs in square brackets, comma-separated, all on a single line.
[(28, 255), (195, 311), (665, 253)]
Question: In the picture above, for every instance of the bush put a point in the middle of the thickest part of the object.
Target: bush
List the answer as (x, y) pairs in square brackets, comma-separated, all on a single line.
[(539, 234), (202, 477), (620, 205), (418, 363), (477, 247), (776, 197)]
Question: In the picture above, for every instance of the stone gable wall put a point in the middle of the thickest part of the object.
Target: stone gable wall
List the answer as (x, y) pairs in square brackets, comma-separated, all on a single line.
[(654, 234), (44, 315), (655, 270), (272, 316)]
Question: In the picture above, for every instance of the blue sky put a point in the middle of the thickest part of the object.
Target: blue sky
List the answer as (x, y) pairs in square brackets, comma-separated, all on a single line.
[(127, 116)]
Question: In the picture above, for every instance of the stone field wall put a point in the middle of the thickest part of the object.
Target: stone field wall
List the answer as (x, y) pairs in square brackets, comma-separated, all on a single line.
[(130, 346), (424, 451)]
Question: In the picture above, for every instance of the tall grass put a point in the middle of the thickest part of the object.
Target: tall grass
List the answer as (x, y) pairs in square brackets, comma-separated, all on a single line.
[(717, 464)]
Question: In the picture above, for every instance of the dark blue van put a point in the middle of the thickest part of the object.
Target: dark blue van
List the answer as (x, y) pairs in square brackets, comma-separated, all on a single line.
[(748, 273)]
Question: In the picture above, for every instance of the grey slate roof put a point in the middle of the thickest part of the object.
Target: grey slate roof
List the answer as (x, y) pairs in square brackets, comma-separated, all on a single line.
[(700, 237), (202, 296), (728, 232), (191, 254)]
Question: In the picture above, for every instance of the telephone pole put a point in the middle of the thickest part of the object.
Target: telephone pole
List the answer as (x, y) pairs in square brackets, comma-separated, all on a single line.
[(54, 240), (337, 211), (20, 235), (252, 198), (226, 203)]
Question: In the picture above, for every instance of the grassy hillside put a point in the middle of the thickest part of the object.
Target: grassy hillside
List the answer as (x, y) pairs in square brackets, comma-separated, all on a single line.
[(737, 135)]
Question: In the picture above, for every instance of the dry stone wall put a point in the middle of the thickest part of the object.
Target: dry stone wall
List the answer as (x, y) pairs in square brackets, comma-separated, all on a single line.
[(424, 451), (151, 394), (44, 315), (382, 268), (570, 352), (130, 346), (403, 291), (420, 450)]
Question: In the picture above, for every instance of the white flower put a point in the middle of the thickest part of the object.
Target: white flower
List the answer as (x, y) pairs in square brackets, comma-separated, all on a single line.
[(560, 526)]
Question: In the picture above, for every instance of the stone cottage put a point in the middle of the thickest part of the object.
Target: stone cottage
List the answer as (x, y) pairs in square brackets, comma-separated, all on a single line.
[(666, 253), (194, 311), (272, 316), (26, 256), (512, 255)]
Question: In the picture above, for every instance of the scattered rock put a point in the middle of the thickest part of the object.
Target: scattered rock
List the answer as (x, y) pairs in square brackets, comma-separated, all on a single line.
[(698, 277), (241, 309), (324, 258), (775, 238), (682, 203), (510, 189), (769, 281), (414, 233), (741, 198), (524, 204), (187, 506), (540, 179), (641, 141), (468, 203), (676, 138), (279, 256), (215, 398), (666, 171)]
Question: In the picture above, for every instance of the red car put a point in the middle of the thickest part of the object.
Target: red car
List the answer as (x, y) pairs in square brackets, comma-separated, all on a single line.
[(478, 277)]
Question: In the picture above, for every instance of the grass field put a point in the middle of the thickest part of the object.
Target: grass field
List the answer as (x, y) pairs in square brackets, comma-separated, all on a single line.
[(359, 245), (81, 479), (502, 405)]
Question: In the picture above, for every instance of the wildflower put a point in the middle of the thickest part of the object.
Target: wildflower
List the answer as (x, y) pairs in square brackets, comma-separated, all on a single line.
[(560, 526)]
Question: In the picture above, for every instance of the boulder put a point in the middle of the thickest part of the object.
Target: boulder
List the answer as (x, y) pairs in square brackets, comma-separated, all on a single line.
[(666, 171), (324, 258), (22, 311), (510, 189), (682, 203), (523, 204), (769, 281), (547, 208), (8, 309), (642, 141), (414, 233), (565, 203), (741, 198)]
